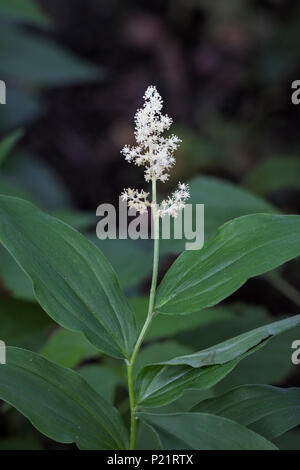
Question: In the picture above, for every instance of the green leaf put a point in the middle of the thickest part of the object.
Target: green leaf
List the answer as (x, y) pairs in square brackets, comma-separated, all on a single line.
[(270, 365), (73, 281), (274, 174), (25, 12), (8, 143), (22, 107), (161, 327), (158, 385), (13, 279), (161, 351), (23, 324), (222, 201), (36, 178), (59, 402), (201, 431), (147, 438), (243, 248), (131, 259), (102, 379), (269, 411), (164, 382), (68, 348), (31, 58), (80, 220), (234, 347)]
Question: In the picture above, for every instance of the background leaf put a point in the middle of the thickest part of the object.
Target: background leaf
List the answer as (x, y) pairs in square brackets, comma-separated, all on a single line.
[(36, 178), (162, 383), (131, 259), (270, 364), (68, 348), (274, 174), (28, 11), (269, 411), (162, 327), (26, 57), (222, 201), (23, 324), (8, 143), (101, 378)]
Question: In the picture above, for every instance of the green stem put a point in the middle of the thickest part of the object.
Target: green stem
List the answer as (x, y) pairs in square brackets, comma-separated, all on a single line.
[(132, 406), (148, 320), (284, 287)]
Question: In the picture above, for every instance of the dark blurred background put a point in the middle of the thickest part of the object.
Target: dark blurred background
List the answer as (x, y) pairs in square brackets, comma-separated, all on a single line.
[(224, 69)]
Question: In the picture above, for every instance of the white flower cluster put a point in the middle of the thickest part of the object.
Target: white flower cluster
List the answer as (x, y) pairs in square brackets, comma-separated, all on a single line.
[(136, 199), (175, 202), (155, 153)]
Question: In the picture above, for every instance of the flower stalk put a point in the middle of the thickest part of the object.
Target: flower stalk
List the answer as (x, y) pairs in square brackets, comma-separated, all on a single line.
[(148, 320), (155, 153)]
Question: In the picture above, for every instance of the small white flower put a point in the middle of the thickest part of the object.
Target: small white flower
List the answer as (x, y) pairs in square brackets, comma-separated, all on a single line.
[(136, 199), (175, 202), (155, 153)]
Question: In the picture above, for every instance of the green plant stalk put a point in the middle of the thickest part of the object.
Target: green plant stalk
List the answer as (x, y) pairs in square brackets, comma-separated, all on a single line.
[(148, 320), (284, 287)]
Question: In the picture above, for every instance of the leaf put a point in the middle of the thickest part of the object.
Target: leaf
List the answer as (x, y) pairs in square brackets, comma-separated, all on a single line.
[(162, 383), (147, 438), (68, 348), (222, 201), (243, 248), (25, 12), (131, 259), (100, 378), (269, 411), (13, 279), (274, 174), (162, 351), (232, 348), (38, 179), (271, 364), (161, 327), (31, 58), (80, 220), (22, 107), (23, 324), (8, 143), (73, 281), (201, 431), (59, 402), (158, 385)]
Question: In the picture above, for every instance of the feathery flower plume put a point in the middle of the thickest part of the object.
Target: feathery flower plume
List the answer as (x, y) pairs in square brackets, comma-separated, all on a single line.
[(155, 153)]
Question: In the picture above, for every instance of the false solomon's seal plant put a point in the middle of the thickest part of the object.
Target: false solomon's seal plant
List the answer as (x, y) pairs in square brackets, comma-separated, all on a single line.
[(76, 285)]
